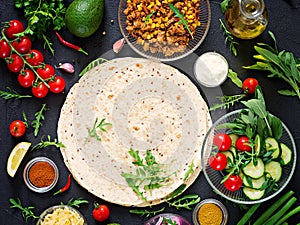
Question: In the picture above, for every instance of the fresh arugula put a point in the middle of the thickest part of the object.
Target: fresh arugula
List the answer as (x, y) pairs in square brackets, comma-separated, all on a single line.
[(283, 65), (184, 202), (39, 117), (42, 16), (233, 76), (93, 131), (227, 101), (75, 202), (12, 94), (26, 211), (48, 142), (181, 17), (229, 38), (145, 212), (224, 5), (189, 172)]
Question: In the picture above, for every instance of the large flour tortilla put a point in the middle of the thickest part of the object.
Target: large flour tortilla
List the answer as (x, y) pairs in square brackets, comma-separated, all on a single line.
[(150, 106)]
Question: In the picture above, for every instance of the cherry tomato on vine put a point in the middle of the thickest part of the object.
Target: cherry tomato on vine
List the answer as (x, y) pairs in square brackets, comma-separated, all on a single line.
[(26, 78), (40, 90), (22, 44), (34, 57), (233, 183), (17, 128), (57, 85), (15, 63), (46, 72), (249, 85), (100, 212), (14, 27), (5, 49), (222, 141), (242, 144), (218, 161)]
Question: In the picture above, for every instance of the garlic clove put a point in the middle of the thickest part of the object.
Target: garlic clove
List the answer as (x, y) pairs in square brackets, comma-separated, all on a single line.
[(67, 67), (118, 45)]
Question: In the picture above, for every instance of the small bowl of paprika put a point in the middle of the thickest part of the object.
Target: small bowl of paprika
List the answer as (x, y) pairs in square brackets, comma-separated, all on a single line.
[(40, 174)]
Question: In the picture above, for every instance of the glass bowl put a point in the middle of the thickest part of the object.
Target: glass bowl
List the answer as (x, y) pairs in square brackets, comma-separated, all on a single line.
[(215, 177), (193, 44), (66, 212), (158, 219), (26, 177), (210, 201)]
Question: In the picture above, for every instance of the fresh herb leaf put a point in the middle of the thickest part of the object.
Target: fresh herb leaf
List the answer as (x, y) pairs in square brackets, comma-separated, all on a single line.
[(48, 142), (93, 131), (12, 94), (227, 101), (181, 17), (169, 221), (229, 38), (76, 202), (224, 4), (149, 16), (233, 76), (189, 171), (185, 202), (177, 192), (39, 117), (25, 120), (26, 211), (145, 212)]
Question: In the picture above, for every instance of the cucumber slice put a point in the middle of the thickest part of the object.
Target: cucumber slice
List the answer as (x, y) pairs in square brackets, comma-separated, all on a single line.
[(233, 151), (257, 145), (253, 194), (229, 156), (255, 171), (234, 138), (274, 169), (286, 154), (254, 183), (272, 145)]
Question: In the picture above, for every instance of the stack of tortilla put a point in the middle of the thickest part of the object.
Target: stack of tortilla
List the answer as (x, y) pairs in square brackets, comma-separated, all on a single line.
[(150, 106)]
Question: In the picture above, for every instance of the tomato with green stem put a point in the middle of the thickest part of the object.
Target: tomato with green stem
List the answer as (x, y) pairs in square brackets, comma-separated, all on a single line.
[(34, 57), (46, 72), (5, 49), (249, 85), (15, 63), (22, 44), (17, 128), (218, 161), (100, 212), (233, 183), (12, 28), (222, 141), (243, 144), (57, 85), (39, 90), (26, 78)]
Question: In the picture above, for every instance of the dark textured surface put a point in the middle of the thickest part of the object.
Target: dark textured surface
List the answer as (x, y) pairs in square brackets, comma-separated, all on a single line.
[(284, 21)]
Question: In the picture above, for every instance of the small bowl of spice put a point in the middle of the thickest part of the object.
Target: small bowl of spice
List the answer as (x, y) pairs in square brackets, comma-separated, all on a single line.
[(40, 174), (210, 212)]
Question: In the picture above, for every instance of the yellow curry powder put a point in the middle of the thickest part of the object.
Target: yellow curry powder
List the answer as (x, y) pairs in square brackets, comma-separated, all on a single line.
[(210, 214)]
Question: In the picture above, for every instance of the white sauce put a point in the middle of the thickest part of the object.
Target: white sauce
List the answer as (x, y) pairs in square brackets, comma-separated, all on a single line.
[(211, 69)]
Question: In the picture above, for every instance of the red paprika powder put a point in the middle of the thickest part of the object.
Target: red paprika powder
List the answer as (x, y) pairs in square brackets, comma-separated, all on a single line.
[(41, 174)]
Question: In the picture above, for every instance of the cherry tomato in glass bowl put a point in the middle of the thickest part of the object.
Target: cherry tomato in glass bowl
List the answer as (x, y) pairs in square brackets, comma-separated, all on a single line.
[(5, 49), (249, 85), (218, 161), (100, 212), (243, 144), (233, 183), (57, 85), (34, 57), (46, 72), (17, 128), (15, 63), (40, 90), (222, 141), (26, 78), (22, 44), (13, 27)]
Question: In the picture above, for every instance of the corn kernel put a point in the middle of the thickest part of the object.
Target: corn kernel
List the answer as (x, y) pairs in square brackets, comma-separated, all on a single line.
[(185, 8), (162, 26), (157, 25), (148, 37), (190, 17), (190, 21), (153, 25)]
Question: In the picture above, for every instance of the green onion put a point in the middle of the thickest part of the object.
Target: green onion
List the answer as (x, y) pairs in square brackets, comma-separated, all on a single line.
[(288, 215), (247, 215)]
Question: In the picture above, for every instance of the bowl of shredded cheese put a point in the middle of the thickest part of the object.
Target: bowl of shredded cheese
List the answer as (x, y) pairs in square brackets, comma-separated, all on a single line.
[(61, 215)]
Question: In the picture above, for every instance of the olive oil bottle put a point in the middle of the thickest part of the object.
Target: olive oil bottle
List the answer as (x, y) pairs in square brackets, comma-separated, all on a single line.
[(246, 19)]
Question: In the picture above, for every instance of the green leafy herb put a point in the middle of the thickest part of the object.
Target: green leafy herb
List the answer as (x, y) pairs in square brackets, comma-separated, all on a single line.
[(227, 101), (26, 211), (76, 202), (233, 76), (91, 65), (185, 202), (229, 38), (12, 94), (145, 212), (25, 120), (149, 174), (39, 117), (93, 131), (48, 142), (189, 171), (181, 17), (42, 16), (169, 221), (283, 65), (224, 4), (149, 16), (177, 192)]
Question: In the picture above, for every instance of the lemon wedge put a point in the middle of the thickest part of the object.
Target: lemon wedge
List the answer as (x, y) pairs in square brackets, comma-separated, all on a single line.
[(16, 156)]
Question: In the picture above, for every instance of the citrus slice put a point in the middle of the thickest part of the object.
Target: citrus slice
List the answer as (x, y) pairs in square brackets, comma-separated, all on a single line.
[(16, 156)]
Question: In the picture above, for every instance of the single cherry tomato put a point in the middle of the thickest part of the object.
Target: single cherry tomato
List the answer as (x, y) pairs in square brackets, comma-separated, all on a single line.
[(57, 85), (218, 161), (17, 128), (40, 90), (15, 63), (249, 85), (14, 27), (5, 49), (243, 144), (46, 72), (222, 141), (26, 78), (34, 57), (100, 212), (22, 44), (233, 183)]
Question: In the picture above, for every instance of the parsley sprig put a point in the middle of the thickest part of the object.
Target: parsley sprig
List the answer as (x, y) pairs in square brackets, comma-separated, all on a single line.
[(26, 211), (39, 117), (12, 94), (48, 142), (92, 132)]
